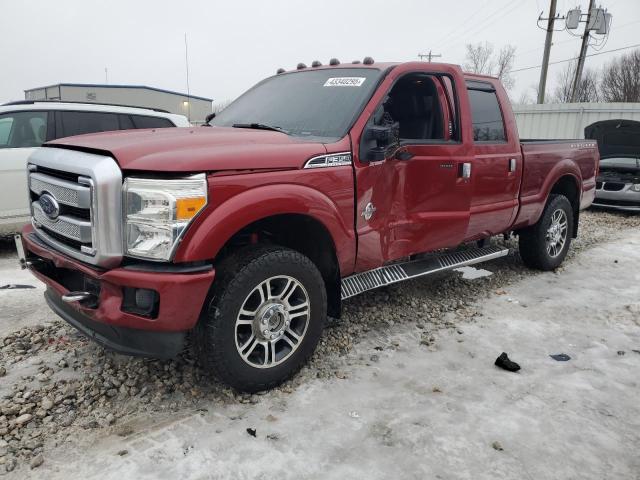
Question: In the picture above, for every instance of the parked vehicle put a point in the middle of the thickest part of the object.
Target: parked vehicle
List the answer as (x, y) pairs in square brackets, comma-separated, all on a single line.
[(312, 187), (25, 125), (618, 183)]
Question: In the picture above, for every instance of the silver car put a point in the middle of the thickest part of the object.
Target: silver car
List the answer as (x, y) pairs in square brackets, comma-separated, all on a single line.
[(618, 184)]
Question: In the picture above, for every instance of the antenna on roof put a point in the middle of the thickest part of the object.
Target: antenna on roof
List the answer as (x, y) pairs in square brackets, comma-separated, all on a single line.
[(186, 60)]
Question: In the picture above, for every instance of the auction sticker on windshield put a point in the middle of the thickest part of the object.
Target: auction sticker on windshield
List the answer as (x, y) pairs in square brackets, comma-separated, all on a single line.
[(344, 82)]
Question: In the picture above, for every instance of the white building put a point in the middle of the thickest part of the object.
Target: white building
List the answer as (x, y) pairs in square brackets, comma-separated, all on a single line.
[(568, 120), (193, 107)]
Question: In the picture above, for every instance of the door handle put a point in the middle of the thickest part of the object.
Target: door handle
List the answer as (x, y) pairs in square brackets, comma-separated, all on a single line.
[(465, 170), (512, 165)]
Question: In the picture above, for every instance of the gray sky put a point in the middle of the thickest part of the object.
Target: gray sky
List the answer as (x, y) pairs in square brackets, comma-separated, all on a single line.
[(234, 44)]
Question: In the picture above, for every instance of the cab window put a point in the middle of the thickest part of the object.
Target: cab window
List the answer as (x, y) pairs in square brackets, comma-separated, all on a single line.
[(422, 106), (23, 129), (488, 124)]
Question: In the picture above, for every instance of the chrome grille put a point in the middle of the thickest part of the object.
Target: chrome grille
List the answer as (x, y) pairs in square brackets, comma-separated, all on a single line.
[(87, 188), (65, 192), (69, 227)]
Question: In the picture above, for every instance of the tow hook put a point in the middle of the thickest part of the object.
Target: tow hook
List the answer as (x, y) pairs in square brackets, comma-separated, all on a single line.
[(86, 297)]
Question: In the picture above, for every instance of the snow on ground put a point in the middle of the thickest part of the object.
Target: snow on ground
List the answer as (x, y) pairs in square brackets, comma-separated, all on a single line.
[(430, 411)]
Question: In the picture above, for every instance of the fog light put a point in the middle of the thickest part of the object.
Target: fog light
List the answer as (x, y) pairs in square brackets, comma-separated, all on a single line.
[(636, 187), (141, 301)]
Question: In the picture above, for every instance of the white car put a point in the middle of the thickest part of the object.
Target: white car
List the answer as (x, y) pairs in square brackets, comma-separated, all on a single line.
[(25, 125)]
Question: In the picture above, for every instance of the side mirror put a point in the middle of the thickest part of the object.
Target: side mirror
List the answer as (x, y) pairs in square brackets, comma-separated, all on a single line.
[(376, 140), (209, 117)]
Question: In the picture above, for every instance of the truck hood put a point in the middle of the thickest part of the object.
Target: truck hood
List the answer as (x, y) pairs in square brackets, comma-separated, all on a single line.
[(196, 149), (616, 138)]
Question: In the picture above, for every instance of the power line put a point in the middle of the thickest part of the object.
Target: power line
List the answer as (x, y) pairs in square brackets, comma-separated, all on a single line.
[(482, 26), (576, 58)]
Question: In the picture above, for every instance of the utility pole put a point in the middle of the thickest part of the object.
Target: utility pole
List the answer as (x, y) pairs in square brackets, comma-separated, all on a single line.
[(583, 53), (428, 55), (547, 50)]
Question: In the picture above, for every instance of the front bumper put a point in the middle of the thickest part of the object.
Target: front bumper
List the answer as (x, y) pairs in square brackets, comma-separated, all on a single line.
[(181, 297), (626, 199)]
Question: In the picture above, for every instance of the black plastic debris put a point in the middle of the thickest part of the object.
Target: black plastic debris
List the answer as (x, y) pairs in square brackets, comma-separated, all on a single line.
[(15, 286), (621, 352), (636, 351), (251, 431), (503, 362), (561, 357)]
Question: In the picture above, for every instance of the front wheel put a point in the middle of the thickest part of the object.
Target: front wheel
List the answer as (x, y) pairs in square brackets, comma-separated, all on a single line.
[(544, 246), (265, 317)]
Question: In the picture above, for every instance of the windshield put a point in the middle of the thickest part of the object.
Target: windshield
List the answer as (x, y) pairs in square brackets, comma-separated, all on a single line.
[(620, 162), (311, 103)]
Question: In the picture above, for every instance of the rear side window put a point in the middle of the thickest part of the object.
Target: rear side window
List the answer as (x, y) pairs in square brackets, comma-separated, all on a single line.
[(78, 123), (141, 121), (23, 129), (488, 125)]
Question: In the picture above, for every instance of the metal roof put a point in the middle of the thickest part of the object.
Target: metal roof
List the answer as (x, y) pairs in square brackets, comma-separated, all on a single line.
[(102, 85)]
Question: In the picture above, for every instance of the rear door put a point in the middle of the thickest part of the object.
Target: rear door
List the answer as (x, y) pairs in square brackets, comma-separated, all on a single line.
[(422, 203), (497, 162), (20, 134)]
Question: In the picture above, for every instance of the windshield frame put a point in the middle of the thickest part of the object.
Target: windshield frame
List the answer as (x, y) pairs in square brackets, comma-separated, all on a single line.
[(383, 72)]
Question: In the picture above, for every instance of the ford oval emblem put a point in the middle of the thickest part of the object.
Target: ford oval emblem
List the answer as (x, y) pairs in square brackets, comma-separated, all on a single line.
[(49, 206)]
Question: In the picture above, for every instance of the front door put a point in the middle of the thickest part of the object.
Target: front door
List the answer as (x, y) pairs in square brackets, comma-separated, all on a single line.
[(419, 200)]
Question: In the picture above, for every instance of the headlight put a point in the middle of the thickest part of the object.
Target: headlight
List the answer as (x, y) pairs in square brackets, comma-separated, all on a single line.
[(157, 213), (636, 187)]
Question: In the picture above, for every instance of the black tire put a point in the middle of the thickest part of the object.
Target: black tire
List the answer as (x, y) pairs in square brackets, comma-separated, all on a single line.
[(237, 278), (533, 240)]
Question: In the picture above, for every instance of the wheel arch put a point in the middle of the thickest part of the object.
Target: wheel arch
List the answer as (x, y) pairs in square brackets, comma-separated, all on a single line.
[(302, 233), (569, 186)]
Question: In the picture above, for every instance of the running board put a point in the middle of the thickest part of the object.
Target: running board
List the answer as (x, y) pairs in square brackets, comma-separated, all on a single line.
[(379, 277)]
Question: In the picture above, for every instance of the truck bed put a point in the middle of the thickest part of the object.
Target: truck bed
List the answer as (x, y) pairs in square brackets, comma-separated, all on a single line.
[(540, 159)]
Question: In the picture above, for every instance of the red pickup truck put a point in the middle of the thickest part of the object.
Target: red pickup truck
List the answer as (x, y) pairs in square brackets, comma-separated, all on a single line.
[(315, 185)]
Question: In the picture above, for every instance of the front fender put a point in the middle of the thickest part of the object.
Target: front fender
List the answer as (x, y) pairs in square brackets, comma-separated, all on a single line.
[(213, 229)]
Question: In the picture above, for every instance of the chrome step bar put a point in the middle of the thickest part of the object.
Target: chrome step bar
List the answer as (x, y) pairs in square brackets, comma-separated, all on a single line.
[(379, 277)]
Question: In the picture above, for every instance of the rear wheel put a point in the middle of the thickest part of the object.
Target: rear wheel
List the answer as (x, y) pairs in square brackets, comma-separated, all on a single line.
[(264, 319), (544, 245)]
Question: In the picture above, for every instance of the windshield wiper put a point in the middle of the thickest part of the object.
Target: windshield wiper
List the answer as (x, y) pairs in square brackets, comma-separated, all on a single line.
[(260, 126)]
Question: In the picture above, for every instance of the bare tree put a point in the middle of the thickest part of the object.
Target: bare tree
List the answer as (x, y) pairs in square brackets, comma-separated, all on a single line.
[(588, 90), (481, 59), (621, 79), (504, 64)]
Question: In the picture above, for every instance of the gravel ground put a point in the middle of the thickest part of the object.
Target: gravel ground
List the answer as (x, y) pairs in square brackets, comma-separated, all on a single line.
[(57, 387)]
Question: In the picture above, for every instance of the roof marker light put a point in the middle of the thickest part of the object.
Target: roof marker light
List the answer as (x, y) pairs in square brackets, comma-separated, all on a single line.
[(316, 63), (367, 60), (301, 66), (280, 70), (334, 61)]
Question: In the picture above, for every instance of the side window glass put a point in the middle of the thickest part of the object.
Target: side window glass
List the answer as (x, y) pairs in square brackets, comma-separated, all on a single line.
[(6, 121), (141, 121), (23, 129), (125, 122), (414, 102), (488, 125), (78, 123)]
